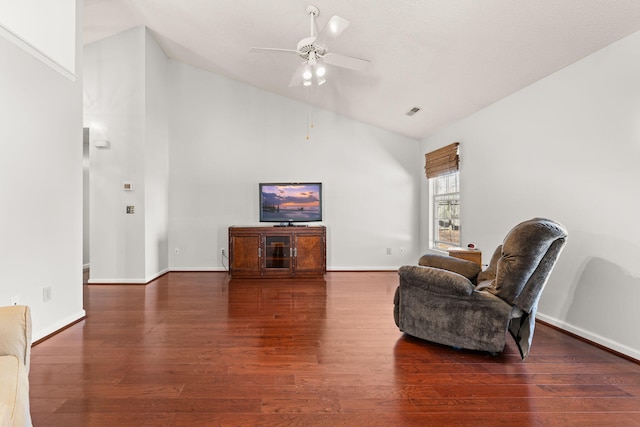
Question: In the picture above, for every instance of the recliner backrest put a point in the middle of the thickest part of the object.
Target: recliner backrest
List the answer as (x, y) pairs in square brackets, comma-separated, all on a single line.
[(529, 253)]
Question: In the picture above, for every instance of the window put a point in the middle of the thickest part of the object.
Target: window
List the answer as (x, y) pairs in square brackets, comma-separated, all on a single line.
[(445, 206), (442, 170)]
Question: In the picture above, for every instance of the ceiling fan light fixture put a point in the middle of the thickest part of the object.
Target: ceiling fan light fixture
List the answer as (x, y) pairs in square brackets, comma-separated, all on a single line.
[(307, 74), (320, 70), (306, 83)]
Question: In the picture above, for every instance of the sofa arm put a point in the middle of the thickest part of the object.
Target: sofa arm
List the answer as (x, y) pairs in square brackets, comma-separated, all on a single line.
[(468, 269), (435, 280), (15, 332)]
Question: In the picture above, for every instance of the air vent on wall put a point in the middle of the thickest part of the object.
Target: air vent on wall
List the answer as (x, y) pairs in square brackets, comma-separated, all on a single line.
[(413, 111)]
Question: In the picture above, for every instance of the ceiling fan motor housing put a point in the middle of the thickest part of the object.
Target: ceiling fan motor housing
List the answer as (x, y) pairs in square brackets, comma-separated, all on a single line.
[(306, 46)]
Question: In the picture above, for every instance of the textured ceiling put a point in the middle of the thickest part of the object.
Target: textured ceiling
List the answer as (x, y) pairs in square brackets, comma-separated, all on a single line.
[(448, 57)]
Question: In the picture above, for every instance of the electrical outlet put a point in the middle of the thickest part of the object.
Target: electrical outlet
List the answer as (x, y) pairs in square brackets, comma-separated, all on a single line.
[(15, 300), (46, 294), (401, 250), (222, 251), (388, 251)]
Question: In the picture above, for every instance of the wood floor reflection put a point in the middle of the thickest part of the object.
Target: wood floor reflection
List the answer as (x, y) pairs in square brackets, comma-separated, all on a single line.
[(196, 349)]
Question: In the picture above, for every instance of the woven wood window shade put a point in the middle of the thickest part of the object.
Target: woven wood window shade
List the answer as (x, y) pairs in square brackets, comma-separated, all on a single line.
[(442, 161)]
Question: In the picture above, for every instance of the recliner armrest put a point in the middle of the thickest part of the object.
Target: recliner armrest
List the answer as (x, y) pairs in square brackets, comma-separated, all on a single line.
[(468, 269), (15, 332), (435, 280)]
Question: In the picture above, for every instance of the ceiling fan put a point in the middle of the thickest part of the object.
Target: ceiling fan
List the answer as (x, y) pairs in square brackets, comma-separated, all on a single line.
[(315, 53)]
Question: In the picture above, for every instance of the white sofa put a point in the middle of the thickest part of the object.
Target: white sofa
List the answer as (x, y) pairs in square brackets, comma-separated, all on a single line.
[(15, 354)]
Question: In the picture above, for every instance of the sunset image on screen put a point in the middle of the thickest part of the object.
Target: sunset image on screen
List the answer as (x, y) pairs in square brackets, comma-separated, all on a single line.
[(290, 202)]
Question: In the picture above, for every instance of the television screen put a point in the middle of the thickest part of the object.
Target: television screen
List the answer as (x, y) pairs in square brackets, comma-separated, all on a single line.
[(290, 202)]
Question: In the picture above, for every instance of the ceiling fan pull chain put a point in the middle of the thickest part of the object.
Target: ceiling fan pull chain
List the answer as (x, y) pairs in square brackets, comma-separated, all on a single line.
[(309, 112)]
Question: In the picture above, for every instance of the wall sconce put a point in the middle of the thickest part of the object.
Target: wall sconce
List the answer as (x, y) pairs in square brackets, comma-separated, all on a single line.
[(102, 144)]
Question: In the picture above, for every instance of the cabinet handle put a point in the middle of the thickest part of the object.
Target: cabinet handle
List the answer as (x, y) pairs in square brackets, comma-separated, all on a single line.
[(295, 252), (259, 252), (290, 252)]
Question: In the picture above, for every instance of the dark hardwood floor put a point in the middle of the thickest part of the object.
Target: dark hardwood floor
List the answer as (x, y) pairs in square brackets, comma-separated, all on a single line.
[(195, 349)]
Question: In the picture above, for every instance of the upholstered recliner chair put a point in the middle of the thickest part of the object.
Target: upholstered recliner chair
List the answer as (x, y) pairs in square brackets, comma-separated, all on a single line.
[(15, 354), (450, 301)]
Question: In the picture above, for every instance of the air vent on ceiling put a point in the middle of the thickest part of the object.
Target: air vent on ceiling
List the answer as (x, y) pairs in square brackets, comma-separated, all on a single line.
[(413, 111)]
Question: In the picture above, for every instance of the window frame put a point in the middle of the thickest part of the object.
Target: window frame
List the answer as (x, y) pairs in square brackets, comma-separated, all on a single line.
[(453, 218)]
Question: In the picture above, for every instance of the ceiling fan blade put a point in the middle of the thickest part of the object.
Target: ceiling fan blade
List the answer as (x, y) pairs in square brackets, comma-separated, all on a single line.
[(334, 27), (271, 49), (344, 61), (296, 79)]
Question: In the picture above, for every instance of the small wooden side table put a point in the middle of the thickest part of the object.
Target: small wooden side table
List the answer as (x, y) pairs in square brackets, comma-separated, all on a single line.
[(474, 255)]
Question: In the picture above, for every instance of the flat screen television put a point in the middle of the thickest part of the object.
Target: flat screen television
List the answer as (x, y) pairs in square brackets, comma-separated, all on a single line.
[(290, 202)]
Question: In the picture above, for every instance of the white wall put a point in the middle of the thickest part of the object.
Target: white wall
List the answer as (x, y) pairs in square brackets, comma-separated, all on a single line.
[(156, 161), (125, 104), (86, 217), (114, 110), (566, 148), (41, 186), (226, 137)]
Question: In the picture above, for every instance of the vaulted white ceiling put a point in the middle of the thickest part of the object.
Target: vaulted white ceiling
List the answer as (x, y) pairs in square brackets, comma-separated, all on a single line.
[(448, 57)]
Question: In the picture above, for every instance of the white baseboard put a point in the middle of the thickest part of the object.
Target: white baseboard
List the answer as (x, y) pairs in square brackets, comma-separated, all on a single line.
[(38, 335), (115, 281), (177, 269), (127, 281), (598, 339), (378, 268), (156, 275)]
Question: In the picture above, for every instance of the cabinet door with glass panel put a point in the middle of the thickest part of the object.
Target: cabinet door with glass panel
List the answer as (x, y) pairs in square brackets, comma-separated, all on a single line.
[(278, 253)]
